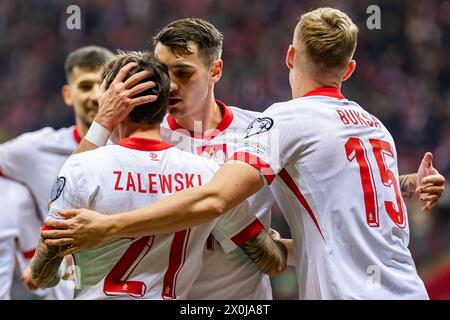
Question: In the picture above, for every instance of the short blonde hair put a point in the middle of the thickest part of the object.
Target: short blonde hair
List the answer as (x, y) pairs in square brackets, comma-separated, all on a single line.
[(328, 37)]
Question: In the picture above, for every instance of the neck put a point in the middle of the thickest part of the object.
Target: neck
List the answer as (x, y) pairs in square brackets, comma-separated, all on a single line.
[(208, 118), (305, 84), (146, 131)]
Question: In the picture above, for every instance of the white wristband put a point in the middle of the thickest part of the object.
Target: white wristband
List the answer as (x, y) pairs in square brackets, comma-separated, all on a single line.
[(97, 134)]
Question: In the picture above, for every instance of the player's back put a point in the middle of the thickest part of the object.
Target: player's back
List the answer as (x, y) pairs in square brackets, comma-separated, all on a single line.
[(127, 176), (338, 187)]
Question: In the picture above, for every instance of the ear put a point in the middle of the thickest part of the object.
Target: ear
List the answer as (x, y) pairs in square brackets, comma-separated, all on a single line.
[(217, 70), (290, 56), (349, 69), (65, 92)]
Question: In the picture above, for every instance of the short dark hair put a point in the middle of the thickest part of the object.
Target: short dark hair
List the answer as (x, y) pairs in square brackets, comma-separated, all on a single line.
[(86, 57), (179, 34), (149, 113)]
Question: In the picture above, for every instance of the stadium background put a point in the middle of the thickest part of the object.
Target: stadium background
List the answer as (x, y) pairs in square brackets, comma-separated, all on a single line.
[(402, 77)]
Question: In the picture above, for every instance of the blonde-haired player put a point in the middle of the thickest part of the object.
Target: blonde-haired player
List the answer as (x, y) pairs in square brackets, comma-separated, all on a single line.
[(332, 167)]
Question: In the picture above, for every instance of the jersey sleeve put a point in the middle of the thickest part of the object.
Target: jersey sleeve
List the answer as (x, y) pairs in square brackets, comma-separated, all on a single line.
[(236, 227), (70, 189), (271, 141)]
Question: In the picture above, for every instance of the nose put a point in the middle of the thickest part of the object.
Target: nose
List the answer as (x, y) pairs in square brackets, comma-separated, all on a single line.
[(173, 87), (95, 93)]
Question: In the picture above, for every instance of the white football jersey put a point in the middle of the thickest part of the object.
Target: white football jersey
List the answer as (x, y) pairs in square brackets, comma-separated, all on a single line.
[(332, 167), (34, 159), (234, 275), (19, 230), (132, 174)]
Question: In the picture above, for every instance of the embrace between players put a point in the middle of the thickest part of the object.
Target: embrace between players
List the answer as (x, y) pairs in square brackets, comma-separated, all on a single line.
[(160, 222)]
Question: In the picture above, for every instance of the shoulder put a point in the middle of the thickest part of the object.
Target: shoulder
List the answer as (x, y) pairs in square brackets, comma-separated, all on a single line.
[(240, 113), (40, 138), (192, 161), (95, 157)]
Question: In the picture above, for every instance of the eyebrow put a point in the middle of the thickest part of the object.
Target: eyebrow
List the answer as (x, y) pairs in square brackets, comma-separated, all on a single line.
[(182, 65)]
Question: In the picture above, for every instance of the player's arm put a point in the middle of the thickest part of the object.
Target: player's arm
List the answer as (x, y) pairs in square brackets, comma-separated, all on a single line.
[(45, 265), (269, 254), (427, 184), (115, 104), (287, 243), (231, 184)]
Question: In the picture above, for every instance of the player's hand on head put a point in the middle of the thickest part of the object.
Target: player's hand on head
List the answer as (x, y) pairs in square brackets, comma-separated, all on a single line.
[(81, 229), (119, 100), (430, 184)]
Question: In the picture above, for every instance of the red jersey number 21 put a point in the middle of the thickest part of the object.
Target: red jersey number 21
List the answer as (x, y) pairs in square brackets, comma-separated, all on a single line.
[(356, 150)]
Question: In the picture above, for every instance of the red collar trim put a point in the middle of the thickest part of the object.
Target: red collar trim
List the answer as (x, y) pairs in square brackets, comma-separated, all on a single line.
[(326, 91), (76, 135), (223, 125), (144, 144)]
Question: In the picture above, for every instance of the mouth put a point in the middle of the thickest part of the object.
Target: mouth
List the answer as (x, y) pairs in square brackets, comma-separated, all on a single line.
[(174, 101)]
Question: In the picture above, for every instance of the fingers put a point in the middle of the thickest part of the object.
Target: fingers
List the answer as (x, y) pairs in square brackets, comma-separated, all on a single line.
[(69, 251), (58, 224), (433, 197), (430, 190), (56, 234), (58, 242), (428, 206), (70, 213), (435, 179), (142, 100), (136, 78), (140, 88), (123, 72), (428, 160)]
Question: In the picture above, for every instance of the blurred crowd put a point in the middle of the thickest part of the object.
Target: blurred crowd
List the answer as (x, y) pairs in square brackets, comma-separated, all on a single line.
[(402, 77)]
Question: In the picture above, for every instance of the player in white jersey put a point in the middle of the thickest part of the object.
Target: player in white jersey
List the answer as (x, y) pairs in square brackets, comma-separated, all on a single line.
[(34, 159), (199, 124), (19, 230), (139, 169), (83, 236)]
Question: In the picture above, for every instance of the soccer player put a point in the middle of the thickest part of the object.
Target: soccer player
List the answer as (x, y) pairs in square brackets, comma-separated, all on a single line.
[(142, 168), (19, 231), (200, 124), (341, 196), (34, 159)]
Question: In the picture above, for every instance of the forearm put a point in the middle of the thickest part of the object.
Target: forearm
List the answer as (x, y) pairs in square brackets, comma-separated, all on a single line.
[(407, 185), (84, 146), (177, 212), (269, 255), (231, 185), (44, 266)]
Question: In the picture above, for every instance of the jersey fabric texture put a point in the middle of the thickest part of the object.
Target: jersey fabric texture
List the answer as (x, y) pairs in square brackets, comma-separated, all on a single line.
[(332, 167)]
